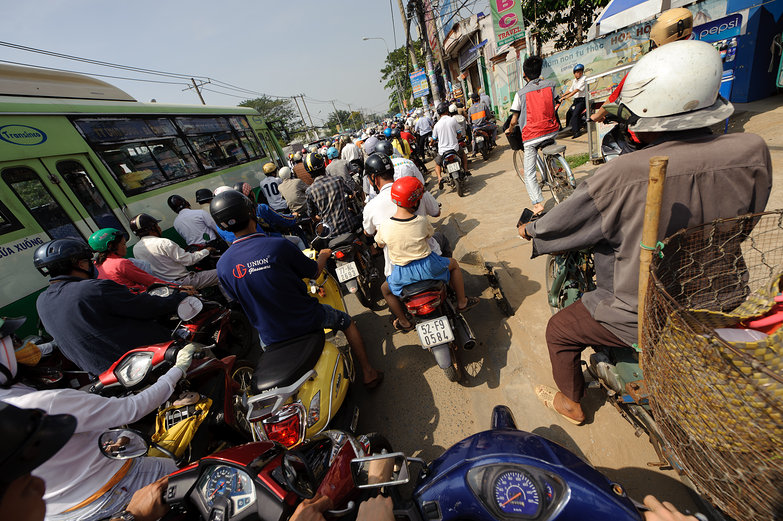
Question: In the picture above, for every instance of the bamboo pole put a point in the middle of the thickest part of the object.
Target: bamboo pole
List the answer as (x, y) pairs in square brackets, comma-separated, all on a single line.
[(652, 214)]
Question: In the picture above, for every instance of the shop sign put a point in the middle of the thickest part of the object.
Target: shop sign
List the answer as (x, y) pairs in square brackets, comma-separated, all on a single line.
[(419, 83), (467, 56), (726, 27), (507, 21)]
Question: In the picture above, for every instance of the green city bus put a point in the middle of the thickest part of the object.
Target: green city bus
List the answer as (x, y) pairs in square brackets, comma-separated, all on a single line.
[(78, 154)]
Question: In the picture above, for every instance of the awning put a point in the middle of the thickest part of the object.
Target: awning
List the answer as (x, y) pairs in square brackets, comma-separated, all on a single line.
[(620, 14)]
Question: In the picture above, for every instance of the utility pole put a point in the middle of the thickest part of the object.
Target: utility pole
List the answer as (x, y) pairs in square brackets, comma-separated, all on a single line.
[(308, 116), (436, 97), (407, 24), (300, 114), (338, 115), (196, 86)]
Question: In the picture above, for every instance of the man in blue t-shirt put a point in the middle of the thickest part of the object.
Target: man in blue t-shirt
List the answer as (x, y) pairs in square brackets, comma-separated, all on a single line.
[(265, 275)]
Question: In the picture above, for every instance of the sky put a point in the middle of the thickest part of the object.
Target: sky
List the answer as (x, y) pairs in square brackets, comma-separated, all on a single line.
[(278, 48)]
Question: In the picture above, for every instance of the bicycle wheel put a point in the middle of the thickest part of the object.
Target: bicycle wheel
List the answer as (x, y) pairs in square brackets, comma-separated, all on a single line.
[(519, 166), (552, 270), (559, 178)]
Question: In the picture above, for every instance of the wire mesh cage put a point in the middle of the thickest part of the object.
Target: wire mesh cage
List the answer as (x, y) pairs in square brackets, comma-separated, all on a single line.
[(719, 402)]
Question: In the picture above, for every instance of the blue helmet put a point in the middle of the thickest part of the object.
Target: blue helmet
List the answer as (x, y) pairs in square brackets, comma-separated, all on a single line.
[(579, 67), (332, 153), (387, 132)]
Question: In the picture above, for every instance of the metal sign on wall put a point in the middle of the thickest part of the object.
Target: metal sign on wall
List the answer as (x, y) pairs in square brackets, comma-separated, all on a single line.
[(507, 21)]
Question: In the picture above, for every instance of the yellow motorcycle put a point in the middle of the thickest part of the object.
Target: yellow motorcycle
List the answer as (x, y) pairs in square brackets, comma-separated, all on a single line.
[(301, 385)]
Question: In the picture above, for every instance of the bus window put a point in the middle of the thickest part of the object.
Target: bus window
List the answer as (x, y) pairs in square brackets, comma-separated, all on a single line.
[(28, 187), (246, 137), (8, 223), (87, 194), (213, 141)]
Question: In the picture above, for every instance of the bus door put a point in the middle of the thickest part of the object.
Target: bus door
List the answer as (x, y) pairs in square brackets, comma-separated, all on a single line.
[(77, 180)]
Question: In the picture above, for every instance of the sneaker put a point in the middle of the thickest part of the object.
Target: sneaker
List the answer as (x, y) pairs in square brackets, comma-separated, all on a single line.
[(440, 183)]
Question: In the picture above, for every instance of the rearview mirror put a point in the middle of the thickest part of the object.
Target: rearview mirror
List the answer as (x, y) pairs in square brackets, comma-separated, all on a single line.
[(380, 470), (122, 444), (322, 231), (189, 308)]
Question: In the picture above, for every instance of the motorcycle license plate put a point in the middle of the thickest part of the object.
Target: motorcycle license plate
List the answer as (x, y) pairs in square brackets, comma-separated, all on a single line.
[(479, 139), (435, 332), (452, 167), (347, 271)]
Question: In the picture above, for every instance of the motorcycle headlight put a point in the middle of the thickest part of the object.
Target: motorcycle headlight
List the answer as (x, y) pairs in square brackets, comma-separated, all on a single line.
[(133, 368)]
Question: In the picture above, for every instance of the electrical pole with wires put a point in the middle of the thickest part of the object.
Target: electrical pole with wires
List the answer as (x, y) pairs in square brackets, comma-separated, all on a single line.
[(342, 127), (436, 95), (312, 125), (196, 86), (304, 123)]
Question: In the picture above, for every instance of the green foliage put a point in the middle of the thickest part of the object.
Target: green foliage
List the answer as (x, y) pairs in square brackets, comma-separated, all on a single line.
[(277, 109), (349, 120), (563, 21), (395, 67)]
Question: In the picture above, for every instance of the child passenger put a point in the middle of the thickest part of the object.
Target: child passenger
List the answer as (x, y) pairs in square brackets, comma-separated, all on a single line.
[(405, 237)]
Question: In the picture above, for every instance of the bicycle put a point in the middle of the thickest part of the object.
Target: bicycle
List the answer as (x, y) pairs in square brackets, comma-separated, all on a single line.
[(552, 169)]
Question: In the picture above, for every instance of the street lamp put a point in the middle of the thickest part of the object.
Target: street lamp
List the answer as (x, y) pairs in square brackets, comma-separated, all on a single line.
[(396, 80)]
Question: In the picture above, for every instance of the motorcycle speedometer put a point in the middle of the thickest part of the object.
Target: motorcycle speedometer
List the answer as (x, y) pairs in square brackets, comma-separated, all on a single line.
[(133, 368)]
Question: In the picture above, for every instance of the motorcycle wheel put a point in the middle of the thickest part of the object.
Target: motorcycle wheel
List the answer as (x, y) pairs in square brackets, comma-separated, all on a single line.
[(452, 373), (242, 374), (485, 152), (550, 274), (461, 187)]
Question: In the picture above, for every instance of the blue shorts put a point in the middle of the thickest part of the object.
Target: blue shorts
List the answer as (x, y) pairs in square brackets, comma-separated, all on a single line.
[(335, 319), (431, 267)]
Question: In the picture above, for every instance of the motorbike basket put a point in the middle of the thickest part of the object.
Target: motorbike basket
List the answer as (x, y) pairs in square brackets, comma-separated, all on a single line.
[(719, 403)]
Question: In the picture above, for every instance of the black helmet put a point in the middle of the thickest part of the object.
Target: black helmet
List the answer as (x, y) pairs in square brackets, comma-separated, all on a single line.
[(385, 147), (443, 108), (395, 133), (30, 437), (143, 222), (371, 131), (204, 195), (314, 162), (177, 203), (231, 210), (475, 97), (58, 257), (378, 164)]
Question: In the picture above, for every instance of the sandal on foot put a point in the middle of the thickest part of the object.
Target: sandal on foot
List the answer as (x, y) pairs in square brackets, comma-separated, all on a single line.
[(375, 382), (472, 302), (399, 327), (547, 396)]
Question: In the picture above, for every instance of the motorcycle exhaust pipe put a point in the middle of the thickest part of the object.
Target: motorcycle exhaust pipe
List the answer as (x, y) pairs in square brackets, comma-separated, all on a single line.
[(464, 335)]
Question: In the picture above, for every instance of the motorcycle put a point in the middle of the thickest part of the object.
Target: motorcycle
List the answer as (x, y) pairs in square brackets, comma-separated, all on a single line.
[(351, 263), (441, 328), (260, 480), (211, 392), (302, 385), (501, 473), (483, 142)]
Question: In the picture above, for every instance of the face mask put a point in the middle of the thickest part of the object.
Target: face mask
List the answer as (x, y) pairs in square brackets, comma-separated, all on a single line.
[(7, 360)]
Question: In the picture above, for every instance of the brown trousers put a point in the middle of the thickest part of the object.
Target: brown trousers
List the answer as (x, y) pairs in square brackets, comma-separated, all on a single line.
[(568, 333)]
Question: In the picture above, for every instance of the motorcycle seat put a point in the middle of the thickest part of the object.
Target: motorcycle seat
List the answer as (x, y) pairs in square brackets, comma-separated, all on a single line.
[(553, 150), (420, 287), (283, 363), (344, 239)]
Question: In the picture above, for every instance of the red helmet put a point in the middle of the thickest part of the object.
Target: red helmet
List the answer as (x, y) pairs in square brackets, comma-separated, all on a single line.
[(406, 192)]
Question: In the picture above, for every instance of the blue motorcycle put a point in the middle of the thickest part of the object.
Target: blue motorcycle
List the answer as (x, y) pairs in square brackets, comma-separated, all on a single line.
[(502, 473)]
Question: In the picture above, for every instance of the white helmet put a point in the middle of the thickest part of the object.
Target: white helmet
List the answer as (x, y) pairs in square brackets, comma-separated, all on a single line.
[(220, 189), (298, 156), (453, 108), (674, 87), (284, 173), (313, 149)]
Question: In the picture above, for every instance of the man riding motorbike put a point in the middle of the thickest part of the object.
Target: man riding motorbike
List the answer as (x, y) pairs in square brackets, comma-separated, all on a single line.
[(195, 226), (669, 99), (265, 275), (329, 198), (81, 483), (446, 132), (480, 115), (95, 321)]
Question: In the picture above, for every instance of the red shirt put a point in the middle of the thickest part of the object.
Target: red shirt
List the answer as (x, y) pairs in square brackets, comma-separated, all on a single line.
[(407, 136), (123, 271)]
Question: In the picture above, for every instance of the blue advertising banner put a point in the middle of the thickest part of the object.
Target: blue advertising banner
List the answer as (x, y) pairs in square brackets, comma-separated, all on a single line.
[(726, 27), (419, 83)]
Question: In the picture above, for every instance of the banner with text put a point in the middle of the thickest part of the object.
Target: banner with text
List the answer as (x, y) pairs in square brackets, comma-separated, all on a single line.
[(419, 83), (507, 21)]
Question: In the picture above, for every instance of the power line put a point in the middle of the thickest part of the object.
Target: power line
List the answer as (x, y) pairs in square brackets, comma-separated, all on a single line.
[(93, 74)]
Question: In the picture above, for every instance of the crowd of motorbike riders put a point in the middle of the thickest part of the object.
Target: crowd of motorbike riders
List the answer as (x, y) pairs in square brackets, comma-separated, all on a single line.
[(96, 308)]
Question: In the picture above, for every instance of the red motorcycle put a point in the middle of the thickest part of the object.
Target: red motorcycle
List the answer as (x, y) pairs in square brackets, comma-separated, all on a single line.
[(260, 480), (209, 398)]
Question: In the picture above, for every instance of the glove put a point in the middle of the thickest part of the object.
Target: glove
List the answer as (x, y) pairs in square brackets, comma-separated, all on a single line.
[(185, 356)]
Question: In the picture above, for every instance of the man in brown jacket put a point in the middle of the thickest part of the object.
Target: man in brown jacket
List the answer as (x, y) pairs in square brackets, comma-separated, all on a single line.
[(669, 99)]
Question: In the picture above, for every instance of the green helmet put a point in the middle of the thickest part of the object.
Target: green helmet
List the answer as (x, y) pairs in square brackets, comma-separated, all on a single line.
[(100, 240)]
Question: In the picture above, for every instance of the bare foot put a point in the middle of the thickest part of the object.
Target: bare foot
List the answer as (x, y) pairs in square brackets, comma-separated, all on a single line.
[(538, 208), (569, 408)]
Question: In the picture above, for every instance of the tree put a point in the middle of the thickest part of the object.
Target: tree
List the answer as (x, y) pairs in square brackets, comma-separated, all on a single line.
[(277, 109), (343, 118), (397, 65), (564, 21)]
